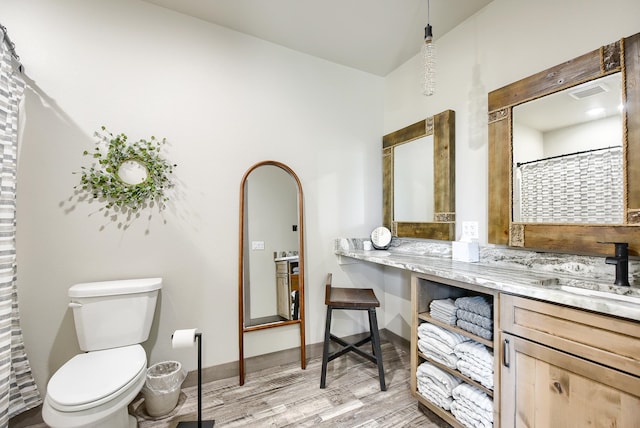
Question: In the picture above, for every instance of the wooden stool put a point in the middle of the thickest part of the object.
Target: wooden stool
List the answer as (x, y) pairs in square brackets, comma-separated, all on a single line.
[(357, 299)]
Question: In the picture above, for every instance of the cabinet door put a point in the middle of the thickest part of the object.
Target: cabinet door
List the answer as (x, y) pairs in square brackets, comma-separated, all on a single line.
[(542, 388), (284, 296)]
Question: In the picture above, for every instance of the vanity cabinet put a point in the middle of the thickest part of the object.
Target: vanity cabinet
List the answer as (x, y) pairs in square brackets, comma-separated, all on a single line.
[(566, 367), (287, 288), (425, 289)]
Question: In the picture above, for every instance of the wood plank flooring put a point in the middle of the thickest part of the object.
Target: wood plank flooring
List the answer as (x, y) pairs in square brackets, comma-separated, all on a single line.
[(286, 396)]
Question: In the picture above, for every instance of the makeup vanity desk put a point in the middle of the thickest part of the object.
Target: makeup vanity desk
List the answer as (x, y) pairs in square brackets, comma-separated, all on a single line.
[(560, 358)]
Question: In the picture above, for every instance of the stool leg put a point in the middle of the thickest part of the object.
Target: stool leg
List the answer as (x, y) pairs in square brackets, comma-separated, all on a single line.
[(375, 341), (325, 349)]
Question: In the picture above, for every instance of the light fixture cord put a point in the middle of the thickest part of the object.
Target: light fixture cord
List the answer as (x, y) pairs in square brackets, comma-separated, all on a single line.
[(428, 57)]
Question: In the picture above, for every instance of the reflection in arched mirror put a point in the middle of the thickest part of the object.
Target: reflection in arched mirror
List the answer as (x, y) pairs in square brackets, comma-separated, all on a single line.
[(271, 268)]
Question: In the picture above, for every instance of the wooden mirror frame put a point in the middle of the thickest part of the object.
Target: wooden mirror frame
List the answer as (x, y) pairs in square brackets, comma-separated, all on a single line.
[(622, 56), (442, 126), (242, 329)]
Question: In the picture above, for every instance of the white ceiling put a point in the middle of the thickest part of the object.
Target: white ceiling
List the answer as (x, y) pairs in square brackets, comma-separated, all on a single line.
[(375, 36), (561, 110)]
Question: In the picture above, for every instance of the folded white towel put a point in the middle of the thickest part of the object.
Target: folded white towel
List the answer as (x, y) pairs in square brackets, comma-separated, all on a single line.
[(447, 359), (468, 417), (444, 305), (430, 384), (485, 377), (474, 396), (437, 346), (474, 352), (439, 376), (426, 330), (481, 372), (443, 315), (434, 397)]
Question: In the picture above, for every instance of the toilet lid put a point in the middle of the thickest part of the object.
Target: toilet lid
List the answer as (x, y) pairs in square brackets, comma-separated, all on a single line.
[(94, 375)]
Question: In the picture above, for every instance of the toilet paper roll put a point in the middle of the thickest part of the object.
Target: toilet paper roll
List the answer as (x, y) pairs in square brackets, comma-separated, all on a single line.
[(183, 338)]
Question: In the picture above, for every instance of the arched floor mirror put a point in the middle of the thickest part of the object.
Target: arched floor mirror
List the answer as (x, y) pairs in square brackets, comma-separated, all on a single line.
[(271, 257)]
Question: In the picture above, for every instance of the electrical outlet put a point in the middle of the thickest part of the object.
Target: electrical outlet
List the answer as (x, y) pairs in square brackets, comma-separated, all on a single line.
[(470, 229), (257, 245)]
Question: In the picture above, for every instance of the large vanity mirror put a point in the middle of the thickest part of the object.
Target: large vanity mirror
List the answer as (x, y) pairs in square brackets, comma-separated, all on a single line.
[(418, 164), (564, 152), (271, 258)]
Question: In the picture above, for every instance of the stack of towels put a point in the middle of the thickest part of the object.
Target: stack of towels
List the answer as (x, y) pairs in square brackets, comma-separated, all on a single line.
[(436, 385), (444, 310), (475, 315), (439, 344), (471, 406), (475, 361)]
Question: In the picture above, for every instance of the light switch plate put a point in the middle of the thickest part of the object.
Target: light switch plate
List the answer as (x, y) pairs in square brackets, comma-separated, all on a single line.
[(257, 245), (470, 229)]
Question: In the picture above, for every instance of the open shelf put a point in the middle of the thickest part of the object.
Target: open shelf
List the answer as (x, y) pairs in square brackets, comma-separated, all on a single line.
[(457, 374), (428, 318), (424, 290)]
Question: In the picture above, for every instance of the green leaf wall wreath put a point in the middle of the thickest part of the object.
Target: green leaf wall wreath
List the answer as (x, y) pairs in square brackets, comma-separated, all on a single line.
[(104, 180)]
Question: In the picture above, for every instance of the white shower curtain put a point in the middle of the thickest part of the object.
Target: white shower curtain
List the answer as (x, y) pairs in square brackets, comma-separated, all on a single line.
[(585, 187), (18, 390)]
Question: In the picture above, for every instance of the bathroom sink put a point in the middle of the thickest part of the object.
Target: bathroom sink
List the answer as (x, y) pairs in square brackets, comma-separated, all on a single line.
[(598, 289), (614, 293), (591, 288)]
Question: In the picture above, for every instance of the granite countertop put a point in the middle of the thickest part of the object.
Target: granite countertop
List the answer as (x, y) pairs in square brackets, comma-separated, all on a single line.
[(511, 278)]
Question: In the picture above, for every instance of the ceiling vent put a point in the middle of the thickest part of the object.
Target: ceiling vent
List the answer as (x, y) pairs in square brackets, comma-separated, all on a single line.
[(585, 91)]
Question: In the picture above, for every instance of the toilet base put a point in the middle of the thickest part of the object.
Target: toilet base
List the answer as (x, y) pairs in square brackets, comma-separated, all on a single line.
[(133, 422), (119, 419)]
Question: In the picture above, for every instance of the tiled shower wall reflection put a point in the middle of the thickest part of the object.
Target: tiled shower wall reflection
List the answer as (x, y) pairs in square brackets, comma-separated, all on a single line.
[(584, 187)]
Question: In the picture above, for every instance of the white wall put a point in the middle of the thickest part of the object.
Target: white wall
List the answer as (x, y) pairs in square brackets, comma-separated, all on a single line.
[(224, 101), (528, 143), (586, 136)]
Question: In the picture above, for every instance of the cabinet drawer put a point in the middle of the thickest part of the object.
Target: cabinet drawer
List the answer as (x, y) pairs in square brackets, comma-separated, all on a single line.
[(607, 340)]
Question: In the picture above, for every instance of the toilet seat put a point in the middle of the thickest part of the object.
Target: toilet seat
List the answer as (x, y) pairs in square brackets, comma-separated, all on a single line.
[(93, 378)]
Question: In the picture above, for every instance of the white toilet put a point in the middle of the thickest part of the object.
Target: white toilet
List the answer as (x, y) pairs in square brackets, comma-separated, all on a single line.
[(93, 389)]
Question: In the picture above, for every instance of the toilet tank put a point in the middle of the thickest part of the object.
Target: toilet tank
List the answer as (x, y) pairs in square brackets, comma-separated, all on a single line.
[(110, 314)]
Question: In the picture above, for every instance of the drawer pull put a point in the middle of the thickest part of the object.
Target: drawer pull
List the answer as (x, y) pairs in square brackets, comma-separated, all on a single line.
[(505, 353), (558, 387)]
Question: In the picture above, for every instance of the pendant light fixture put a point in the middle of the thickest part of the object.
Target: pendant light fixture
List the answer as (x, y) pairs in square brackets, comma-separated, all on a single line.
[(428, 58)]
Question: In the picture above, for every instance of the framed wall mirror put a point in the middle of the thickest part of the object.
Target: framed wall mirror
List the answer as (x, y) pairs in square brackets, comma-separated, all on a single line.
[(271, 257), (568, 184), (418, 164)]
